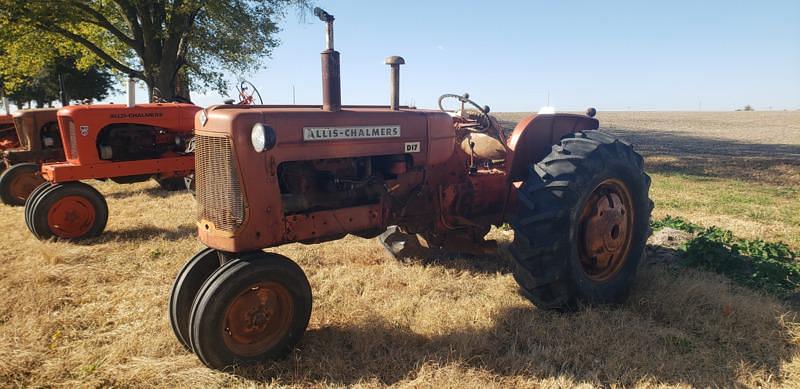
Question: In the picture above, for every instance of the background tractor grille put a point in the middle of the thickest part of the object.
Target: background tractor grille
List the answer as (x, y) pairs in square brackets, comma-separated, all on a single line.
[(219, 194)]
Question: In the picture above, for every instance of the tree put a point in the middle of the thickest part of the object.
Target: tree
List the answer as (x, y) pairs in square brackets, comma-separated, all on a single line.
[(169, 44), (92, 83)]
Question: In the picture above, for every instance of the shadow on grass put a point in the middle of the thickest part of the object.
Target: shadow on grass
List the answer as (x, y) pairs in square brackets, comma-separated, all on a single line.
[(669, 332), (145, 233), (669, 152), (155, 191), (487, 264)]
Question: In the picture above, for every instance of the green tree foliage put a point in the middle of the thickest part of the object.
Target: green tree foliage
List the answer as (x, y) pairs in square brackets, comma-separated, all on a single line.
[(169, 44), (92, 83)]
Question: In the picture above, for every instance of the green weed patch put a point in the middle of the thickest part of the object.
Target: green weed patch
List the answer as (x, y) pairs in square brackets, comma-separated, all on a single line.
[(769, 266)]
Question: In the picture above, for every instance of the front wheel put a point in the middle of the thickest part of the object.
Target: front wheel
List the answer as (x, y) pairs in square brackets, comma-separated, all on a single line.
[(251, 309), (582, 222), (186, 286), (70, 211), (17, 183)]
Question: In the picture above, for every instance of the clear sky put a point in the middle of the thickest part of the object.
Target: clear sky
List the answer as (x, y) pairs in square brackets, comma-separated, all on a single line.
[(614, 55)]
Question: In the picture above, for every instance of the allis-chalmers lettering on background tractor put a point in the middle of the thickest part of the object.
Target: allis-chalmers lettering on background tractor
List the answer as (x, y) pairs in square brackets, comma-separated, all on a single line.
[(125, 144), (39, 142), (576, 197)]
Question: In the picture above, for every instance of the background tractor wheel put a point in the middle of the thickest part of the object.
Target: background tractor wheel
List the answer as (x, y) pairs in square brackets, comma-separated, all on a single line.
[(582, 222), (70, 211), (18, 181), (171, 184), (188, 282), (253, 308)]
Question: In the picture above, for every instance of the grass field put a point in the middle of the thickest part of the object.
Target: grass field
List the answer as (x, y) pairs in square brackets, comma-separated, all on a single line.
[(94, 314)]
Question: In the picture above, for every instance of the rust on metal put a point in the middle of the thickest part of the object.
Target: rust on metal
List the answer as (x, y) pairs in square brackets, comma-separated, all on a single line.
[(23, 184), (606, 230), (258, 318)]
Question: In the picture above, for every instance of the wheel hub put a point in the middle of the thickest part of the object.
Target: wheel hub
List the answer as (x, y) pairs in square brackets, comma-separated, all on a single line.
[(606, 223), (71, 217), (258, 318)]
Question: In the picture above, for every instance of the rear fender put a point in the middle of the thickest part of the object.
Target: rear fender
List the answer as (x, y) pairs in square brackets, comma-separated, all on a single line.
[(533, 137)]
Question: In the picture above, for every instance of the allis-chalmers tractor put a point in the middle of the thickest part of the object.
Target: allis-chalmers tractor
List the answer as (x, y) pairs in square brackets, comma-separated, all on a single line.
[(40, 142), (576, 197), (125, 144)]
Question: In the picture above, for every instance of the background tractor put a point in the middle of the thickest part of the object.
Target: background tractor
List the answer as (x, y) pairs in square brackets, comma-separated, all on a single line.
[(576, 197), (40, 142), (8, 136), (125, 144)]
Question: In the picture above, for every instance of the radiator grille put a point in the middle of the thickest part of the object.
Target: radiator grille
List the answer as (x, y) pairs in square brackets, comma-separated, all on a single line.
[(219, 194)]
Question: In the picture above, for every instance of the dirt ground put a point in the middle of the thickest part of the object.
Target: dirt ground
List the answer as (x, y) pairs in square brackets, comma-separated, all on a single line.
[(95, 314)]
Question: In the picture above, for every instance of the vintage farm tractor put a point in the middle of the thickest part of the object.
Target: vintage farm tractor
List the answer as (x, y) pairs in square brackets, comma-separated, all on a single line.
[(576, 197), (125, 144), (8, 136), (40, 142)]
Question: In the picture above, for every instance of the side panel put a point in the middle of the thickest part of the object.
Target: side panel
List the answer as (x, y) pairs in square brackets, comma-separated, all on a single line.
[(80, 138), (533, 137)]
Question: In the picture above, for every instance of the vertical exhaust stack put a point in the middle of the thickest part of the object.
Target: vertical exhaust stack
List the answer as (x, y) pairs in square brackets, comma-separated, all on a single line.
[(331, 83), (394, 62), (131, 93)]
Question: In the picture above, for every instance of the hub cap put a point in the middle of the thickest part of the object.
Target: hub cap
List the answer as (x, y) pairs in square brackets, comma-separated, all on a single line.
[(606, 229), (258, 319), (71, 217)]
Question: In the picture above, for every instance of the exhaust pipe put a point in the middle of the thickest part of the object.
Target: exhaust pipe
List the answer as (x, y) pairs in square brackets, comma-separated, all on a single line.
[(331, 82), (394, 62), (131, 93)]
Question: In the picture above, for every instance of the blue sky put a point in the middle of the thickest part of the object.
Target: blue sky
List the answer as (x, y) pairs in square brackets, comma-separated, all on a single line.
[(614, 55)]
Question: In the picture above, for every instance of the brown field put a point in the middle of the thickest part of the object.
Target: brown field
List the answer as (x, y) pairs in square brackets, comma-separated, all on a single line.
[(94, 314)]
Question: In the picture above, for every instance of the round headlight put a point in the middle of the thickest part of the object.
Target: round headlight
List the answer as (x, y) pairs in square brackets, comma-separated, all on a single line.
[(263, 137)]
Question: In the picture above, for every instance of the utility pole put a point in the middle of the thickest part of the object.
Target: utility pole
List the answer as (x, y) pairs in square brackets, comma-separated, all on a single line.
[(293, 96)]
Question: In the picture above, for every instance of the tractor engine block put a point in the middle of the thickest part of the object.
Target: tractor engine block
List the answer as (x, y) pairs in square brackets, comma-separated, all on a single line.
[(321, 184), (132, 142)]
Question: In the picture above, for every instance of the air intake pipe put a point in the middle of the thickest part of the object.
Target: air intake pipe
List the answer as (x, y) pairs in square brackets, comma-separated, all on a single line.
[(394, 62), (331, 82)]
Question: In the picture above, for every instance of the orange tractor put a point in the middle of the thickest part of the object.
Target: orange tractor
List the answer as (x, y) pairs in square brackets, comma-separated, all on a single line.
[(39, 142), (577, 199), (125, 144)]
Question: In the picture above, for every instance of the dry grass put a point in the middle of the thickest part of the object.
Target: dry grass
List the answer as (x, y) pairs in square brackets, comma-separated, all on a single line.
[(94, 314)]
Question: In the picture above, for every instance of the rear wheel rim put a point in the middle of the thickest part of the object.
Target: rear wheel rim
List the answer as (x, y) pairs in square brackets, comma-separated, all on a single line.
[(71, 217), (23, 184), (606, 230), (257, 319)]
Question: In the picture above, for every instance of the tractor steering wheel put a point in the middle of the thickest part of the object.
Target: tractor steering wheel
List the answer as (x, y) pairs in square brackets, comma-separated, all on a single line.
[(482, 112), (246, 93)]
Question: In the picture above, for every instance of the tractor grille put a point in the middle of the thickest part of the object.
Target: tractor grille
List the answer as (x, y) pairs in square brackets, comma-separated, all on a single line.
[(219, 194)]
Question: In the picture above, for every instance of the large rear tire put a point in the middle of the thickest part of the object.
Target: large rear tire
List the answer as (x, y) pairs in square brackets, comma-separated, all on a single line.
[(69, 211), (18, 181), (251, 309), (582, 222)]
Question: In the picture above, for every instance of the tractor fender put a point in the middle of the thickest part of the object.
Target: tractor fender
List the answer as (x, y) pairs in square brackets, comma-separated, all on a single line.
[(534, 136)]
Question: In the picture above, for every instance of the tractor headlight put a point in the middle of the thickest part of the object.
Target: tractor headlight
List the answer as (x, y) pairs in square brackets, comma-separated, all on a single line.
[(263, 137)]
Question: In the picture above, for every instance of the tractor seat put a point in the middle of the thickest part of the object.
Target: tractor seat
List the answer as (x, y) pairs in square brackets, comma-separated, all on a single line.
[(483, 146)]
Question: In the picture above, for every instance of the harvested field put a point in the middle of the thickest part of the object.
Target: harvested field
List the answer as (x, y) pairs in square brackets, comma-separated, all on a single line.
[(95, 313)]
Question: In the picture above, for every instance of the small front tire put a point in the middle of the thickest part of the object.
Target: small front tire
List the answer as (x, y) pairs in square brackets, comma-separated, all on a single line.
[(185, 288), (70, 211), (253, 308)]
